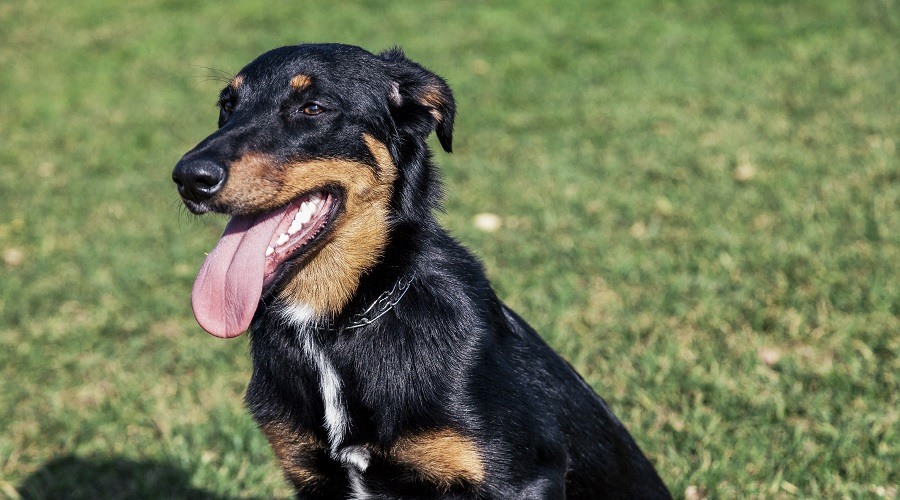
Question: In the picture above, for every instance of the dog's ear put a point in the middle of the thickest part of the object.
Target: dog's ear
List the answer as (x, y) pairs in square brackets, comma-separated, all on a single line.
[(420, 100)]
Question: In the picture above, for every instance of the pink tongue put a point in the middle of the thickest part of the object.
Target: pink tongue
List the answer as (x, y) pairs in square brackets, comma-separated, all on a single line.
[(229, 284)]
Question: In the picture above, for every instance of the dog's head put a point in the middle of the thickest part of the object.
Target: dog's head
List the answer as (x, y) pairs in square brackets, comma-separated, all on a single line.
[(320, 148)]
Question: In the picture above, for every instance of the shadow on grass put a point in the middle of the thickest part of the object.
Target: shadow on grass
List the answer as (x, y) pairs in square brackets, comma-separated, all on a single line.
[(79, 477)]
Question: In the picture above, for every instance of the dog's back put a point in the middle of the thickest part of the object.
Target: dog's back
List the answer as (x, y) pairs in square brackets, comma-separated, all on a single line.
[(601, 454)]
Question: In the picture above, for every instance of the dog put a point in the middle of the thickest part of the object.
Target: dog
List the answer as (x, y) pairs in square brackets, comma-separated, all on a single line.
[(384, 365)]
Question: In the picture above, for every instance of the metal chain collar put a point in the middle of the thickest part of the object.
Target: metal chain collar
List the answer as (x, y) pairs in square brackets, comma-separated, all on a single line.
[(379, 307)]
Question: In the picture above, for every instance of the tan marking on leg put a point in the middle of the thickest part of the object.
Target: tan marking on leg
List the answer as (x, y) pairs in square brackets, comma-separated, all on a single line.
[(442, 456), (300, 82), (257, 182), (291, 448)]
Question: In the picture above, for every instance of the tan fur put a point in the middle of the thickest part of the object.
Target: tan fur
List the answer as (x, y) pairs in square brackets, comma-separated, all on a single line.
[(258, 182), (300, 82), (237, 81), (433, 98), (290, 445), (442, 456), (254, 184)]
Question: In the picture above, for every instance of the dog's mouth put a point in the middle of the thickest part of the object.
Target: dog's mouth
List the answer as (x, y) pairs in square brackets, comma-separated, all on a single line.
[(305, 220), (253, 254)]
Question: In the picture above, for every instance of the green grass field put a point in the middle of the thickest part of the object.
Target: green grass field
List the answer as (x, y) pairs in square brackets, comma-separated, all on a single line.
[(699, 205)]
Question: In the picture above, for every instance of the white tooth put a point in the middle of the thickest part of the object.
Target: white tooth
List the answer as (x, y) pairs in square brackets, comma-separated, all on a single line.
[(296, 225), (269, 251), (282, 239), (304, 207), (316, 198), (303, 217)]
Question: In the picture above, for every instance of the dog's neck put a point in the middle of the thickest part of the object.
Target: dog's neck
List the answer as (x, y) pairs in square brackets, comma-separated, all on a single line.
[(303, 317)]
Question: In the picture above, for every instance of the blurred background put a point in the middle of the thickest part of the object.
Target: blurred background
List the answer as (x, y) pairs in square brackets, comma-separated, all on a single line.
[(697, 203)]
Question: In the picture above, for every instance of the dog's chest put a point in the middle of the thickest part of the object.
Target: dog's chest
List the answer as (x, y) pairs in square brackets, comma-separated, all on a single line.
[(336, 419), (438, 459)]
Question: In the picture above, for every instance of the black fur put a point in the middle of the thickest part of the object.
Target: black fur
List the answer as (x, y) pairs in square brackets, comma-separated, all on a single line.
[(450, 354)]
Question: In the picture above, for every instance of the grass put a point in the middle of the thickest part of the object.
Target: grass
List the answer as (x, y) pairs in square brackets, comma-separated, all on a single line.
[(700, 206)]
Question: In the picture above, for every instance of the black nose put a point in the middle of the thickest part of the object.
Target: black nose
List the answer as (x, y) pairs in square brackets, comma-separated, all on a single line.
[(198, 179)]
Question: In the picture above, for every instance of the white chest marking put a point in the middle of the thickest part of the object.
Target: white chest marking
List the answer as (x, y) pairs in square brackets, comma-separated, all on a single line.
[(357, 487), (336, 422), (355, 457), (356, 461)]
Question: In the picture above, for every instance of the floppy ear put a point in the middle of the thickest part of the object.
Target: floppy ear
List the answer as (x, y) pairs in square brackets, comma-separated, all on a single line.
[(421, 101)]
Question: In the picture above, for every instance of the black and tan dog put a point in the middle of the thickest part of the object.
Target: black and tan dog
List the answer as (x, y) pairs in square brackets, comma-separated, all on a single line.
[(384, 366)]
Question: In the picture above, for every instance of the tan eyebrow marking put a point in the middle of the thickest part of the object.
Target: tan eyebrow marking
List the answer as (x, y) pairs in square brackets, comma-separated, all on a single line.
[(300, 82)]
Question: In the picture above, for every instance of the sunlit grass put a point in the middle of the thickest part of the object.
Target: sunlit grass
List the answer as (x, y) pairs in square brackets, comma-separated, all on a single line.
[(698, 207)]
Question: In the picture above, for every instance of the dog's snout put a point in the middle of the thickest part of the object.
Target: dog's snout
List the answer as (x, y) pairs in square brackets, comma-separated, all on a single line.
[(198, 179)]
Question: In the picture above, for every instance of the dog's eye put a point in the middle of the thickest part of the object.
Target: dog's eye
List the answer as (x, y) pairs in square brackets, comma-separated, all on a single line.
[(227, 105), (312, 109)]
